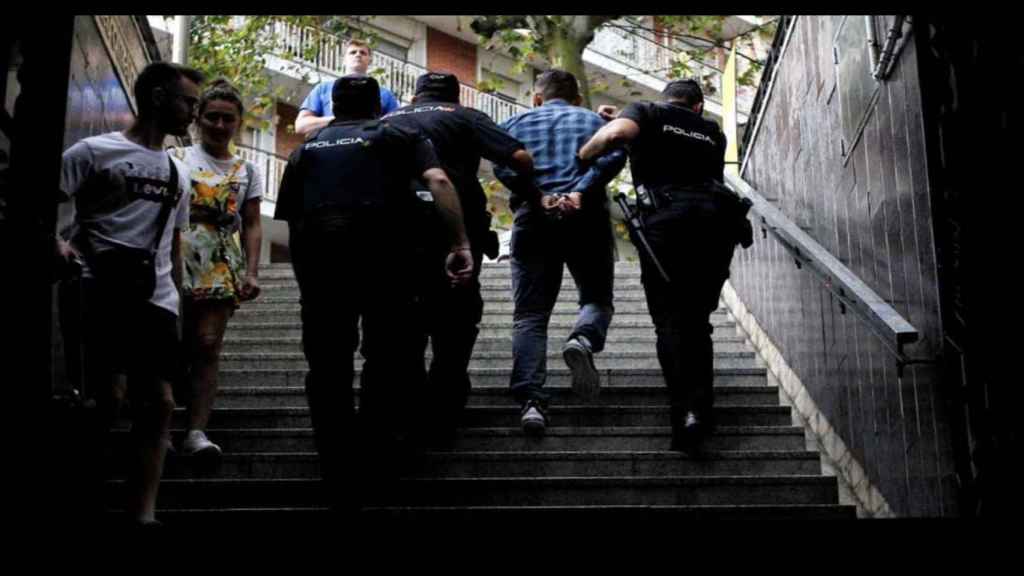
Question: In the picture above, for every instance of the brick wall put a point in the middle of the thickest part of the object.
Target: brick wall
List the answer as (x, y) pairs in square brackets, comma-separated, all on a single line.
[(447, 53), (286, 139)]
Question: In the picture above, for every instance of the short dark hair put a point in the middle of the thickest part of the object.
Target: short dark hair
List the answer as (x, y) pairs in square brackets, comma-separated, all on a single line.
[(687, 92), (160, 75), (356, 96), (221, 89), (442, 85), (555, 83)]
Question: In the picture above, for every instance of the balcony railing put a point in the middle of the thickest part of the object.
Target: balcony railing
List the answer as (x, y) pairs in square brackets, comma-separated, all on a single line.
[(399, 76), (270, 165), (648, 56)]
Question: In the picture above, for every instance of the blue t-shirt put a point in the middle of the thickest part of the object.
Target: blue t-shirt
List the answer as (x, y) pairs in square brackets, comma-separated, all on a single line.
[(319, 100)]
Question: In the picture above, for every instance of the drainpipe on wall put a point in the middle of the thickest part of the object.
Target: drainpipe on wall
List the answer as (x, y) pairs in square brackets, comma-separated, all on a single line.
[(180, 40), (881, 70), (869, 23)]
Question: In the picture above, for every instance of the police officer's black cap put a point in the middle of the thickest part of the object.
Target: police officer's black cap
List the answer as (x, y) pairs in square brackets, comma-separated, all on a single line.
[(355, 93), (686, 88), (440, 84)]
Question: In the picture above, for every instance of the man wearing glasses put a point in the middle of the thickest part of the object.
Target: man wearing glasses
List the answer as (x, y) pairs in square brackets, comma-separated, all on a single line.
[(131, 200)]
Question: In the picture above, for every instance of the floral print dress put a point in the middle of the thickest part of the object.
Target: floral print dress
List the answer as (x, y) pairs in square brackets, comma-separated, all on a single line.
[(214, 261)]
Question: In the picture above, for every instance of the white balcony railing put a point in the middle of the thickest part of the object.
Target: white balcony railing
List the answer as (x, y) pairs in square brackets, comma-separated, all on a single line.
[(270, 165), (398, 76), (648, 56)]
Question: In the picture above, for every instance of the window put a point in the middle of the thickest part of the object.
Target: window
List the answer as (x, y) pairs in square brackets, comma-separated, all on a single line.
[(391, 49), (503, 85)]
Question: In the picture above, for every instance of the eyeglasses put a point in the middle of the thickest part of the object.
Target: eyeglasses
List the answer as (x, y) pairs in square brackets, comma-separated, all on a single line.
[(192, 101)]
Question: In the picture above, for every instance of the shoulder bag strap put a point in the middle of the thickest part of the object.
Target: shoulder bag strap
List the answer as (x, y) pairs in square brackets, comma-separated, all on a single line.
[(165, 210)]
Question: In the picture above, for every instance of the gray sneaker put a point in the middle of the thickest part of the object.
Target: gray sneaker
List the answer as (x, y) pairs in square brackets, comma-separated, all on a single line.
[(585, 380), (197, 444), (533, 419)]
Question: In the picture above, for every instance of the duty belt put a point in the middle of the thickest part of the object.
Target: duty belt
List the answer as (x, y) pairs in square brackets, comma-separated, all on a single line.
[(670, 196)]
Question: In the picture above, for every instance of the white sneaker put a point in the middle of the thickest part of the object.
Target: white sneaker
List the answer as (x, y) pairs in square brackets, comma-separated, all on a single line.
[(586, 381), (197, 444), (533, 420)]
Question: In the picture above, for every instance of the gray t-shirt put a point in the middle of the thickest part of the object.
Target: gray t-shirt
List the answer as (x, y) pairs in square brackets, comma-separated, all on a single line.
[(116, 185)]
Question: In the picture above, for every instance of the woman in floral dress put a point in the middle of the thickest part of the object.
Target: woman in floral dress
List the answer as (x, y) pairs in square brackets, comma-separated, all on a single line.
[(220, 248)]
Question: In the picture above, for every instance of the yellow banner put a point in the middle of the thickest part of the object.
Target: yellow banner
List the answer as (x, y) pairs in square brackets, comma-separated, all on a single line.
[(729, 114)]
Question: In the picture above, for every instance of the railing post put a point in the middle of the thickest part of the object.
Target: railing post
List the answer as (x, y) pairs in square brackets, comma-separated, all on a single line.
[(267, 179)]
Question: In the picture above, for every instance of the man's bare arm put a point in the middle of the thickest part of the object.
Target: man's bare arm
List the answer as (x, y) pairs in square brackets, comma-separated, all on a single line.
[(522, 161), (616, 133), (459, 263), (307, 122), (448, 204)]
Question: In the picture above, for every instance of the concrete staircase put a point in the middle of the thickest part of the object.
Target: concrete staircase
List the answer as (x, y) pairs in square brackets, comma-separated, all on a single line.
[(607, 457)]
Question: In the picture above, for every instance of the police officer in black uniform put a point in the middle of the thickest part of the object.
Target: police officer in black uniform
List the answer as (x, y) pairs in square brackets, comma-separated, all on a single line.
[(692, 224), (461, 136), (345, 196)]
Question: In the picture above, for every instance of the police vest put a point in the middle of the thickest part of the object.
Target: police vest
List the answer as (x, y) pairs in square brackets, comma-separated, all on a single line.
[(676, 148), (354, 165)]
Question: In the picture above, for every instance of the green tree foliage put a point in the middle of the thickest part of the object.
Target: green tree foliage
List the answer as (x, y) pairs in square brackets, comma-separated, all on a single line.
[(561, 39)]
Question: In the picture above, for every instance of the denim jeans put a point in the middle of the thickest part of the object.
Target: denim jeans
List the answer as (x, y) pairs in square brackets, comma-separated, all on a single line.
[(540, 247)]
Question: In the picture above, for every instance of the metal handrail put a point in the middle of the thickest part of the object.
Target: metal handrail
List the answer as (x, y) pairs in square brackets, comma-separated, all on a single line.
[(891, 327), (399, 75)]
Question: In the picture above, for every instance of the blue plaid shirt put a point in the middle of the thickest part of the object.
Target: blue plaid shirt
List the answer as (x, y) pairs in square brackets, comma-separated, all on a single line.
[(553, 134)]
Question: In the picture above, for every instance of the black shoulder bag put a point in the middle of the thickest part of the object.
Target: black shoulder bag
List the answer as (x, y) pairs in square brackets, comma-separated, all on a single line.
[(130, 273)]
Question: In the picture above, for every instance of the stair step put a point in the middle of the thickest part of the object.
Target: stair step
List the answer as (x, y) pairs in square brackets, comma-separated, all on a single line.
[(621, 328), (655, 438), (554, 491), (268, 465), (232, 396), (490, 292), (497, 282), (608, 360), (302, 518), (558, 376), (508, 416), (622, 306), (501, 297), (487, 270), (248, 345), (620, 515), (497, 314)]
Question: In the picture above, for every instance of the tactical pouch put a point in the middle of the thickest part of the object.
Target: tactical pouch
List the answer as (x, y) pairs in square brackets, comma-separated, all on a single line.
[(736, 209)]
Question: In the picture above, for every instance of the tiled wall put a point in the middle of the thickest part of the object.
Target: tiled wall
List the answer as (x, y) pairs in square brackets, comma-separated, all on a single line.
[(871, 209)]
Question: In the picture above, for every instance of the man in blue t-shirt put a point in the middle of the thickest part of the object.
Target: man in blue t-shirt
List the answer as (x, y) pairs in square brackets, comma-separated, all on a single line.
[(315, 111)]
